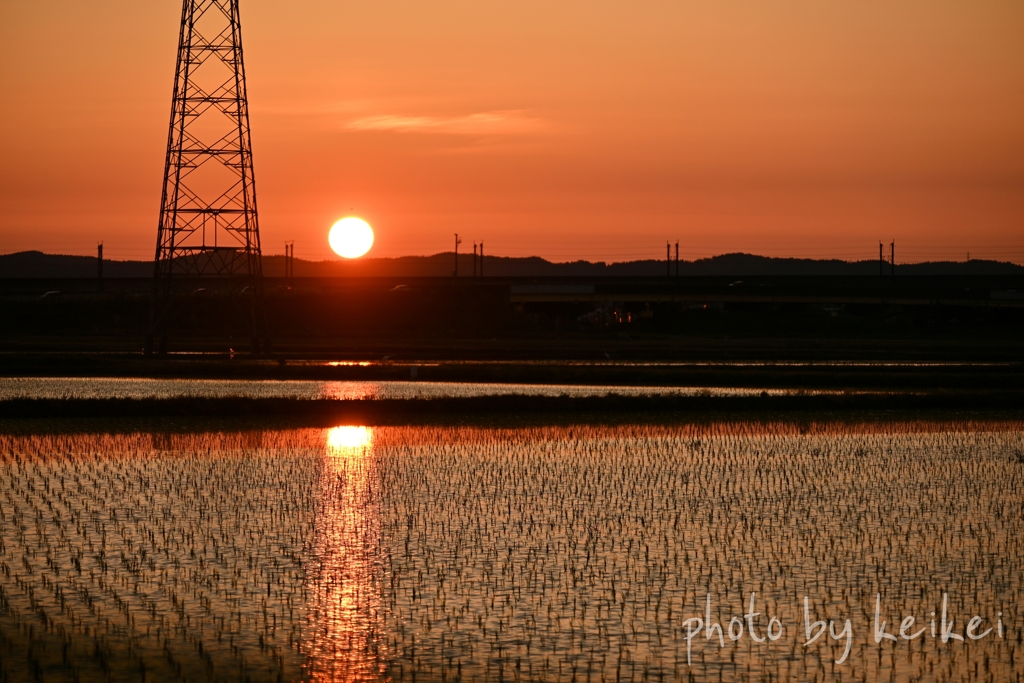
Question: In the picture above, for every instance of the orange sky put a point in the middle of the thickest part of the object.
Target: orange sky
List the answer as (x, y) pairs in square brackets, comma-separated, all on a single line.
[(563, 129)]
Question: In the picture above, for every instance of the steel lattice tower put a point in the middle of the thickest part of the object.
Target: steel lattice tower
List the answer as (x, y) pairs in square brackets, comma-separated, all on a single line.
[(208, 220)]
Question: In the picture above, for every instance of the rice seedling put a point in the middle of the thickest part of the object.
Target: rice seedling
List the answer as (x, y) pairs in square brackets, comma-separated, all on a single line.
[(468, 553)]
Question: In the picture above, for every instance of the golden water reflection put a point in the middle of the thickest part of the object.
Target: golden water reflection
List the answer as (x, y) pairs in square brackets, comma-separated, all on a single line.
[(344, 638), (349, 442)]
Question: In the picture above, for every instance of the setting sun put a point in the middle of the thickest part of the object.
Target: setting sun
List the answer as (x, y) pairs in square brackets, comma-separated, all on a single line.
[(351, 237)]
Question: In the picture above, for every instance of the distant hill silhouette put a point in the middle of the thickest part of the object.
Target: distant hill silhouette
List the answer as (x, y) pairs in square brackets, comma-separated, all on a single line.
[(36, 264), (29, 264)]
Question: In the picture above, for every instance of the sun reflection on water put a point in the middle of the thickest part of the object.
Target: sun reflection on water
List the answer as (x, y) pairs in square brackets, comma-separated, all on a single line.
[(349, 441), (345, 640)]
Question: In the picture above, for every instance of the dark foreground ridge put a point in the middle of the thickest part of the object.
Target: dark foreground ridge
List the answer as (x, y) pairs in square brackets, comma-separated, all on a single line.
[(860, 376), (386, 411)]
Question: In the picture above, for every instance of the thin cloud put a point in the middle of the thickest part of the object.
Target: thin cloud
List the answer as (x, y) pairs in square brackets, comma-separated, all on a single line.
[(509, 122)]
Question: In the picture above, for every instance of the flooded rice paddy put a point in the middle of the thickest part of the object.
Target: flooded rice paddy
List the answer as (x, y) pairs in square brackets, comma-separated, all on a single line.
[(142, 388), (568, 553)]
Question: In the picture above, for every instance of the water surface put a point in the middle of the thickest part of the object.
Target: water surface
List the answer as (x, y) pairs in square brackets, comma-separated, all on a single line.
[(543, 553), (141, 388)]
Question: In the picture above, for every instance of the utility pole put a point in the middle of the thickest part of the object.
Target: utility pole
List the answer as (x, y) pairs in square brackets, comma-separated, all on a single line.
[(677, 259), (892, 257), (99, 265), (481, 259), (668, 259), (881, 259), (289, 262), (457, 243), (474, 259)]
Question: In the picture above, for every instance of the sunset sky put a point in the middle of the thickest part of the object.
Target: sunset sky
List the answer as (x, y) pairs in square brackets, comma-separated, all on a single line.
[(562, 129)]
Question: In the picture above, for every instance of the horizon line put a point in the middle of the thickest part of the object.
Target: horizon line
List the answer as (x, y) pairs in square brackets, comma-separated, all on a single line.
[(470, 255)]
